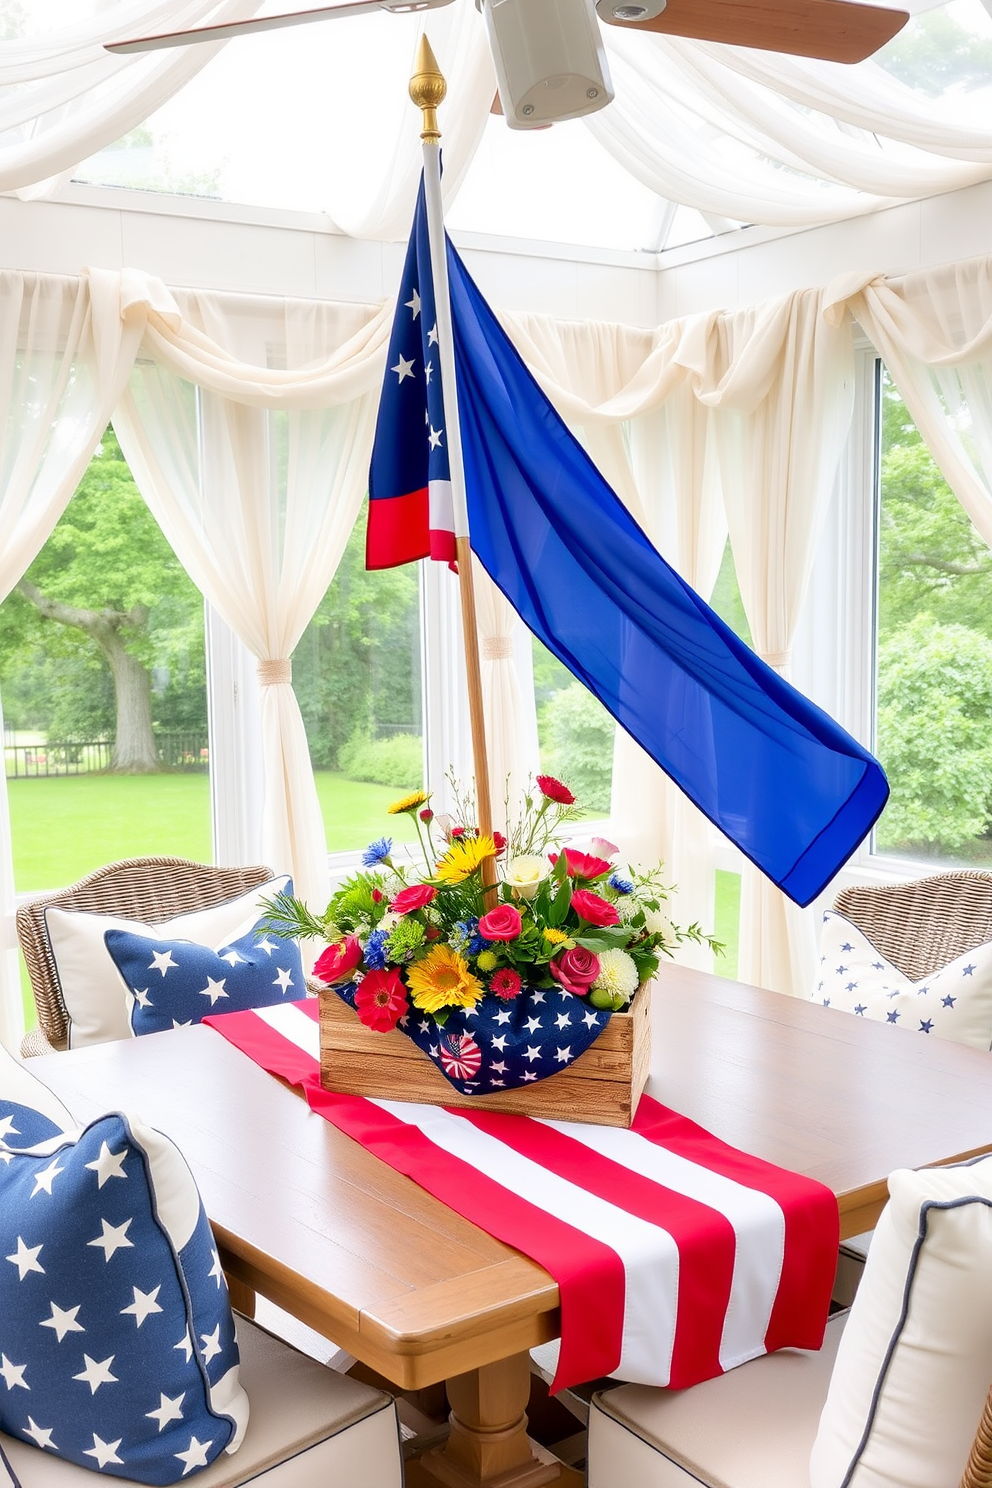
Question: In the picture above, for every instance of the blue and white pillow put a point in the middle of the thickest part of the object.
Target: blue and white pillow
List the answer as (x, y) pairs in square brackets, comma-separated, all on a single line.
[(954, 1002), (172, 983), (117, 1343)]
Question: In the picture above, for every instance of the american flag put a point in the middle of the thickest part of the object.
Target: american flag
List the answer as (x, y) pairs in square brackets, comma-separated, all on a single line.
[(410, 510), (500, 1045), (676, 1255)]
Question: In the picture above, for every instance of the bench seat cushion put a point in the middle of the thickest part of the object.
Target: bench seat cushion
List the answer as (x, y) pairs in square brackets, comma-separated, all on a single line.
[(750, 1428), (308, 1426)]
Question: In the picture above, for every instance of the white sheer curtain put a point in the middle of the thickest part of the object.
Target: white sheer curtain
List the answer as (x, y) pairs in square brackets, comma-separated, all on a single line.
[(62, 97), (64, 354), (256, 480), (511, 723), (781, 426), (934, 332), (769, 392)]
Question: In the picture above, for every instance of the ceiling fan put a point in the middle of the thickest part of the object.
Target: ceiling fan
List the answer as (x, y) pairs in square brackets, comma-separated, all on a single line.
[(548, 54)]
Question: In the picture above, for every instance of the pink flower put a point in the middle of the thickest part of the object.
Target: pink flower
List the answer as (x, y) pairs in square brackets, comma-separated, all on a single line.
[(458, 831), (604, 848), (380, 1001), (500, 842), (555, 790), (506, 984), (594, 909), (575, 970), (338, 962), (581, 865), (502, 923), (414, 897)]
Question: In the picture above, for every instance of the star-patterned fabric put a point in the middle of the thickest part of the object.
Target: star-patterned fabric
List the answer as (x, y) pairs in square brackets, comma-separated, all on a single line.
[(501, 1045), (117, 1343), (172, 983), (954, 1002)]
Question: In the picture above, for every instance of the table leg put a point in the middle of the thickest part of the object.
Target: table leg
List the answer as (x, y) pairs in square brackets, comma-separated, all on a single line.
[(488, 1445)]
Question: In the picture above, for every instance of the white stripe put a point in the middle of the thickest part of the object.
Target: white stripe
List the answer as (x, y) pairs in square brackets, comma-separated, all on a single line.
[(649, 1254), (440, 507), (294, 1025), (757, 1219)]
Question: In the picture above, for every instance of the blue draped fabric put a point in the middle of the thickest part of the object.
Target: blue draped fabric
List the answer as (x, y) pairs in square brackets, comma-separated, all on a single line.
[(774, 772)]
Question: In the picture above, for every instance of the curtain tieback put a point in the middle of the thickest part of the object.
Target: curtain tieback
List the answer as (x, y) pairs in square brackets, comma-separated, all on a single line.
[(497, 648), (777, 659), (271, 673)]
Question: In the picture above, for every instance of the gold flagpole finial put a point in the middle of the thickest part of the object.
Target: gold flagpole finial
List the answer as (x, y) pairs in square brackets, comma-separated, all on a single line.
[(427, 88)]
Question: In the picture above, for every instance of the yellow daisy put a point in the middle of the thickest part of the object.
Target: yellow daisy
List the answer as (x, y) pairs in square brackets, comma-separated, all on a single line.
[(442, 980), (409, 803), (552, 936), (463, 858)]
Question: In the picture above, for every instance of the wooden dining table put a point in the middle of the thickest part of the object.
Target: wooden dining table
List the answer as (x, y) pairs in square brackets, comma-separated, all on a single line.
[(308, 1218)]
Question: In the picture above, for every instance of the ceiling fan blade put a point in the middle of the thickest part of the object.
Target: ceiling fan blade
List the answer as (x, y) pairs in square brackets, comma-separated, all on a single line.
[(267, 23), (835, 30)]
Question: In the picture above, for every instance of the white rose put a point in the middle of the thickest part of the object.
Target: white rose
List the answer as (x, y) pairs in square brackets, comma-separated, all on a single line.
[(656, 922), (526, 874)]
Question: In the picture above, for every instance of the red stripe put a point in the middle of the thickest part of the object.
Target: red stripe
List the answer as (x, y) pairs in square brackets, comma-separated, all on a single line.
[(812, 1221), (397, 530), (705, 1237), (443, 547), (260, 1041), (590, 1275)]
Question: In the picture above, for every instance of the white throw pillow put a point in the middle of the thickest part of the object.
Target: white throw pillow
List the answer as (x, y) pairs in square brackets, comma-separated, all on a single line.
[(953, 1003), (915, 1362), (92, 989)]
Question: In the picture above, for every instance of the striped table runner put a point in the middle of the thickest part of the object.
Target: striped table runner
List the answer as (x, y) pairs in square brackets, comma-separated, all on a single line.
[(676, 1256)]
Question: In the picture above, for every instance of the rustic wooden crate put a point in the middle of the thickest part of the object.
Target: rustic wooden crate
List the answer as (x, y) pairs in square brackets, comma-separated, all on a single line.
[(602, 1086)]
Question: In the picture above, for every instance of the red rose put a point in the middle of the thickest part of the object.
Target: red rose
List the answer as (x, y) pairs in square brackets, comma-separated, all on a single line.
[(380, 1001), (338, 962), (555, 790), (582, 865), (377, 896), (500, 842), (415, 897), (575, 970), (501, 923), (427, 815), (594, 909), (458, 831)]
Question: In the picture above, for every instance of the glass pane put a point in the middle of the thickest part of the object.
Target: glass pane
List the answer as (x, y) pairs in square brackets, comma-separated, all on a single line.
[(357, 675), (575, 733), (933, 657)]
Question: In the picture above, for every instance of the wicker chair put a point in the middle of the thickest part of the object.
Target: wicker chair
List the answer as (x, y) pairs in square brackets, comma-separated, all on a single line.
[(923, 925), (149, 889)]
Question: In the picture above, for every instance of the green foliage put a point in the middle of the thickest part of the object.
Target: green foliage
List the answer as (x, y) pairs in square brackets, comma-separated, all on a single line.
[(726, 599), (397, 761), (107, 552), (934, 738), (933, 54), (577, 744), (357, 667)]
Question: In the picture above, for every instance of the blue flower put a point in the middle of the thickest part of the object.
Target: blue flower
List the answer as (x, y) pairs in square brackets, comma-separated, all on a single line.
[(377, 852), (375, 950), (463, 935), (477, 944), (621, 885)]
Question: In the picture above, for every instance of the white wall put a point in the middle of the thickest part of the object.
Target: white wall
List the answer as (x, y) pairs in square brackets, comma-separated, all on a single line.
[(743, 268), (190, 242)]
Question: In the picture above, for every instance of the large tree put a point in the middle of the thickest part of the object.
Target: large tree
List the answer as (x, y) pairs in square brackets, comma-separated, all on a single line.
[(106, 597)]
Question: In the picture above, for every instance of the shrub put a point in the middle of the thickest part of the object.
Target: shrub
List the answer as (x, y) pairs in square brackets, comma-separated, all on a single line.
[(577, 744), (398, 761), (935, 734)]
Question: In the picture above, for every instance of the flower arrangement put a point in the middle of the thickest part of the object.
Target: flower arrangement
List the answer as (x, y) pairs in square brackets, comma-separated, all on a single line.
[(483, 917)]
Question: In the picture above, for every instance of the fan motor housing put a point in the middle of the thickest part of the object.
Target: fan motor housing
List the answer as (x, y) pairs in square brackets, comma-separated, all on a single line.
[(549, 58)]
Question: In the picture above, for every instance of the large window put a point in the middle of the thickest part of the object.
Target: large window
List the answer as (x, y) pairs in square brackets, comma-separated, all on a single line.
[(933, 679), (357, 675)]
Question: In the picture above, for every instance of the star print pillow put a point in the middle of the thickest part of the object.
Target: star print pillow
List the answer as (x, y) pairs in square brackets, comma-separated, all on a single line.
[(171, 983), (117, 1344), (953, 1003)]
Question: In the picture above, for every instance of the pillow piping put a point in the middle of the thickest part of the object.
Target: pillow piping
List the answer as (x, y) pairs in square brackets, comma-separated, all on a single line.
[(926, 1207)]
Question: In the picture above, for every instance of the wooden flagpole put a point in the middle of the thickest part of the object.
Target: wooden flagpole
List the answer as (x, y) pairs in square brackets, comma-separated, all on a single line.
[(427, 90)]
